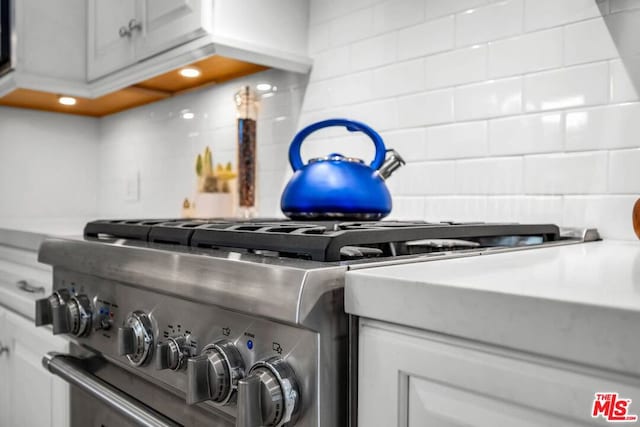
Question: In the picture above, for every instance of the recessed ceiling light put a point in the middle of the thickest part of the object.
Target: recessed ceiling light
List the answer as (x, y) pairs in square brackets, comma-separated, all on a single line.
[(190, 72), (263, 87), (67, 100)]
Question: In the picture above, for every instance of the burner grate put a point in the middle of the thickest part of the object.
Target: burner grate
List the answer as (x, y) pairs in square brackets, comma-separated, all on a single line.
[(319, 240)]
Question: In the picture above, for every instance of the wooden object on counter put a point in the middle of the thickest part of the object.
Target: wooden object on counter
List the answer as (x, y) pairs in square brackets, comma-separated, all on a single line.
[(636, 218)]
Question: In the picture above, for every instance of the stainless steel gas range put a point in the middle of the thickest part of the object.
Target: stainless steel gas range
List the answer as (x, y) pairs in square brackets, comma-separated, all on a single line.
[(224, 322)]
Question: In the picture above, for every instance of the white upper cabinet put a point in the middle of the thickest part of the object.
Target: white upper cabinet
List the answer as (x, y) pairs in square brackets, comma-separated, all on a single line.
[(107, 49), (133, 40), (49, 46), (169, 23), (123, 32)]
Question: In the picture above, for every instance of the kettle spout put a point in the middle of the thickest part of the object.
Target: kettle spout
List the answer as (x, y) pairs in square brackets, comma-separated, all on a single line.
[(391, 164)]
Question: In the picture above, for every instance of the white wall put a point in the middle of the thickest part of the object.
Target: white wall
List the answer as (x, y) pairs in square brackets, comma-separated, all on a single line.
[(48, 169), (156, 144), (516, 110)]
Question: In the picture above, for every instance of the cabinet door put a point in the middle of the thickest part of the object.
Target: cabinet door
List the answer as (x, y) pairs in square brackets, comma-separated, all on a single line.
[(107, 50), (170, 23), (36, 397), (4, 371), (411, 378)]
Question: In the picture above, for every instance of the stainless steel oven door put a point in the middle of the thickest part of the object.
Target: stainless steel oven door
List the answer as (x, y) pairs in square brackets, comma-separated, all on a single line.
[(105, 395)]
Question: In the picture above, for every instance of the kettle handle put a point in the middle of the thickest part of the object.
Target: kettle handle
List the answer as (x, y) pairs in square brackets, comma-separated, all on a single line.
[(352, 126)]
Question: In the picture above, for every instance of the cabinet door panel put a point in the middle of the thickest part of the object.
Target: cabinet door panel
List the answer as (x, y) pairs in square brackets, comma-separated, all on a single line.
[(438, 405), (36, 397), (107, 51), (413, 378), (169, 23)]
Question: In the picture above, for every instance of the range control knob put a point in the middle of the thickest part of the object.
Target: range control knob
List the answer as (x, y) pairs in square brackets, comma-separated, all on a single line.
[(172, 353), (135, 338), (46, 306), (268, 396), (78, 313), (214, 374)]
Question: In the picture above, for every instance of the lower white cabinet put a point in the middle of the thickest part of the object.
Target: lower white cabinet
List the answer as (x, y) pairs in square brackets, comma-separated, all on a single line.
[(29, 394), (413, 378)]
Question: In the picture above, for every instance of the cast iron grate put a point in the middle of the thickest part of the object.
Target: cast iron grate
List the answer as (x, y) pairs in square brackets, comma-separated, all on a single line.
[(321, 240)]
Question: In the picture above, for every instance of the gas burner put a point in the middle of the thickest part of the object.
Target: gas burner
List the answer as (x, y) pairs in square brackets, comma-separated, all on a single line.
[(326, 241)]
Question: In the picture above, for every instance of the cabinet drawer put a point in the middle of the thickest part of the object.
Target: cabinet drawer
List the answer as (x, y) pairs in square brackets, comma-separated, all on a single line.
[(415, 378)]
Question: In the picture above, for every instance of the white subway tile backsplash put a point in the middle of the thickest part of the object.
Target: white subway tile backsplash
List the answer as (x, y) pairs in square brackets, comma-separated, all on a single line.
[(318, 38), (411, 144), (424, 39), (550, 13), (351, 27), (373, 52), (488, 99), (395, 14), (588, 41), (455, 208), (489, 176), (425, 108), (381, 115), (437, 8), (423, 178), (435, 177), (538, 133), (526, 53), (407, 208), (331, 63), (458, 140), (490, 22), (399, 78), (317, 96), (610, 214), (551, 84), (609, 127), (351, 89), (624, 79), (579, 173), (524, 209), (566, 88), (456, 67), (624, 171)]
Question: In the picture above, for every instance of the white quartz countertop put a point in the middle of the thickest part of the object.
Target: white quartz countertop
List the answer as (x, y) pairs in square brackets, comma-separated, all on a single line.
[(576, 302), (28, 234)]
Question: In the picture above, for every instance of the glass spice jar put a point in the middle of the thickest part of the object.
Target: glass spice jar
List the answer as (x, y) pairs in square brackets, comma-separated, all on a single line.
[(247, 114)]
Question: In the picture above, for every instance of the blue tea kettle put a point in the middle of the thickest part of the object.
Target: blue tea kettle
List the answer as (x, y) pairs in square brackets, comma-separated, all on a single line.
[(336, 186)]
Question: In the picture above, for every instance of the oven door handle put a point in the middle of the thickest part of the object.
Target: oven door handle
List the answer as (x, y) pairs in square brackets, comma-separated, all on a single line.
[(70, 369)]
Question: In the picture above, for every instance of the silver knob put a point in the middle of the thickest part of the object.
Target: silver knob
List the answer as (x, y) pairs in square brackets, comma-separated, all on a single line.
[(249, 391), (171, 354), (135, 338), (134, 24), (277, 395), (214, 374), (45, 306), (127, 31), (78, 311), (3, 349)]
